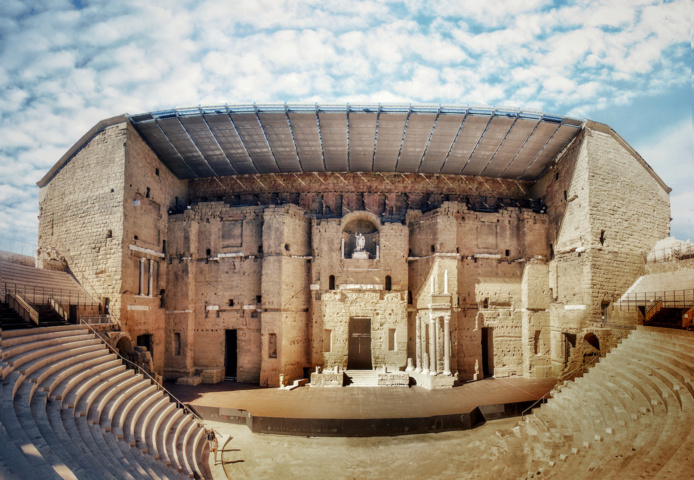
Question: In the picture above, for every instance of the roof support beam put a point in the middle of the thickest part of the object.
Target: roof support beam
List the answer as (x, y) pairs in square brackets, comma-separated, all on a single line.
[(240, 139), (499, 146), (455, 139), (431, 134), (291, 132), (156, 121), (320, 140), (378, 118), (404, 132), (541, 150), (262, 129), (195, 144), (478, 143)]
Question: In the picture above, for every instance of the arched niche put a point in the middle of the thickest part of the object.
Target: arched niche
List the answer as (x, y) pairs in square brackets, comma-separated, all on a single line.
[(360, 236)]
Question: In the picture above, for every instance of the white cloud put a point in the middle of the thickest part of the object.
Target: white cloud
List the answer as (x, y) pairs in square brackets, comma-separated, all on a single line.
[(62, 69), (671, 154)]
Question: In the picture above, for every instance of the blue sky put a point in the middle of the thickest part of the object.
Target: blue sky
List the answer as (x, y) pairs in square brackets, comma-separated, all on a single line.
[(66, 65)]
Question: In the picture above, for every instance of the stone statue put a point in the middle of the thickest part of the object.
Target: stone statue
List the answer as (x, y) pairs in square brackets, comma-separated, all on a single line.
[(361, 242)]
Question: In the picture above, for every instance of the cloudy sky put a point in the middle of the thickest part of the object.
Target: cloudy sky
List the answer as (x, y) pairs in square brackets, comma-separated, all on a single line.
[(65, 65)]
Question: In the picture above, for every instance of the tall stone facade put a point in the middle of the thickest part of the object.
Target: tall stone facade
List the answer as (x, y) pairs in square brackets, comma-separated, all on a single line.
[(257, 276)]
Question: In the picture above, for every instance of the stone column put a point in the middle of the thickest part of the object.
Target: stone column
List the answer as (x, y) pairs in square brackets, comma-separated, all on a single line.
[(142, 276), (150, 283), (432, 346), (418, 342), (447, 345)]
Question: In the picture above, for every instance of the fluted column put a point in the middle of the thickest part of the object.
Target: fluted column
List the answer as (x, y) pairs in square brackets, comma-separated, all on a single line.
[(447, 345)]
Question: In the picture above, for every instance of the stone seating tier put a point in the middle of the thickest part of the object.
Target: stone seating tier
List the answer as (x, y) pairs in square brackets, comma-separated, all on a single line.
[(71, 410), (629, 416)]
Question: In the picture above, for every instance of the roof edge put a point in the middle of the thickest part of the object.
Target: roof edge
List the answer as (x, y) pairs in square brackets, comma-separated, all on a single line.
[(86, 138), (601, 127)]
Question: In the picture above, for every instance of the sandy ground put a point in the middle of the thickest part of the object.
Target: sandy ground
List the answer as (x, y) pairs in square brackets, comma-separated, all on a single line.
[(481, 453)]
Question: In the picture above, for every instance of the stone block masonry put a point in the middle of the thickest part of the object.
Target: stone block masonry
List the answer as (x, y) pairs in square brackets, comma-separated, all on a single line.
[(258, 277)]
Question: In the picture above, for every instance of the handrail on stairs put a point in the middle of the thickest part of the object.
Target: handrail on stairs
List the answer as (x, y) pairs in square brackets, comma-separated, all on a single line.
[(585, 366), (23, 306), (179, 403)]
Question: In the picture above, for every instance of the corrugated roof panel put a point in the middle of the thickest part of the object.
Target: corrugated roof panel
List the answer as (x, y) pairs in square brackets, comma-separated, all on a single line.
[(560, 139), (168, 154), (515, 139), (445, 131), (280, 139), (305, 130), (484, 152), (362, 137), (537, 140), (254, 140), (207, 145), (333, 129), (417, 136), (186, 148), (390, 130), (467, 141), (231, 144)]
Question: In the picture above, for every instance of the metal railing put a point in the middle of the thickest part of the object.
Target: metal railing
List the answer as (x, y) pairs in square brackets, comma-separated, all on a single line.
[(24, 308), (40, 295), (573, 373), (141, 370), (669, 299), (97, 319), (682, 251), (58, 309)]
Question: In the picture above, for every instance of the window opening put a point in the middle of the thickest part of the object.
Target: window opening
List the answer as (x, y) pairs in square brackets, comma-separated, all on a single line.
[(327, 340), (259, 299), (231, 302), (272, 345), (602, 237), (331, 282), (391, 339), (388, 283), (147, 194)]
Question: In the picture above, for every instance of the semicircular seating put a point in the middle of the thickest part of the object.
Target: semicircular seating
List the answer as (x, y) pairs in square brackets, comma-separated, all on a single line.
[(630, 416), (71, 410)]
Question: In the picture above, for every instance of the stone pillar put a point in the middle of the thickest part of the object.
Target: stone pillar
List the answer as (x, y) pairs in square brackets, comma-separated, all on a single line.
[(432, 346), (445, 282), (447, 345), (150, 284), (418, 342), (142, 276)]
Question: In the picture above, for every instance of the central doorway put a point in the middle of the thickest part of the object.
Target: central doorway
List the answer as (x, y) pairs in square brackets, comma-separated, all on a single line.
[(231, 358), (359, 356)]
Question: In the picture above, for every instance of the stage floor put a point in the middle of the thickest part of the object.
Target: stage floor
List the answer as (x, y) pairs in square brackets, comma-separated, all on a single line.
[(307, 410)]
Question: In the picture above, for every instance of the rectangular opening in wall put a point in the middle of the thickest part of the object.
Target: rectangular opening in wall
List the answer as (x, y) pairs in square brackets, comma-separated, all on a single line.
[(391, 339), (327, 340), (146, 341), (536, 341), (231, 355), (488, 351), (177, 344), (272, 345), (232, 233)]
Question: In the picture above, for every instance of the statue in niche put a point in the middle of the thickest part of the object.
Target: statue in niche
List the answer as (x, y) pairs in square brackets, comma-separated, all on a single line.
[(360, 243)]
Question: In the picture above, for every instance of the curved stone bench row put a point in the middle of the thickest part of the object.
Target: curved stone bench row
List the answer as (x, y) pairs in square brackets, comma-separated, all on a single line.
[(70, 409), (629, 416)]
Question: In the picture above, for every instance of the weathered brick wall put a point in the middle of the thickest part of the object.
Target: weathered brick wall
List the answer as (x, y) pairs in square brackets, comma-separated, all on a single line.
[(606, 209), (150, 192), (81, 215)]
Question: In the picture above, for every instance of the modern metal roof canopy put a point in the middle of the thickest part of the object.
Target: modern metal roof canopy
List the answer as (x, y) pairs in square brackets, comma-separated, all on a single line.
[(452, 139)]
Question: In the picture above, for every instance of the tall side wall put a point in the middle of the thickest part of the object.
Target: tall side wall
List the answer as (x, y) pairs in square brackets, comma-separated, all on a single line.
[(81, 216)]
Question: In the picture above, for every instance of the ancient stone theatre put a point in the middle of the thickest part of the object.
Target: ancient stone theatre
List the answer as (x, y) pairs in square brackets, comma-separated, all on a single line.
[(430, 243)]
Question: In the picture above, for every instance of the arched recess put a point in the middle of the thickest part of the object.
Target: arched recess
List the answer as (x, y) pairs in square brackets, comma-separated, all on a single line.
[(364, 225)]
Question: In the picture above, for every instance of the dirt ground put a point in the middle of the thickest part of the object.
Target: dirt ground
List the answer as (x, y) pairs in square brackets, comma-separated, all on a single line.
[(481, 453)]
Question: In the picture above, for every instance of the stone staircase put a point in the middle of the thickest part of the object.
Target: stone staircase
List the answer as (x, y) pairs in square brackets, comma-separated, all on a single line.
[(71, 410), (630, 416), (362, 378)]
